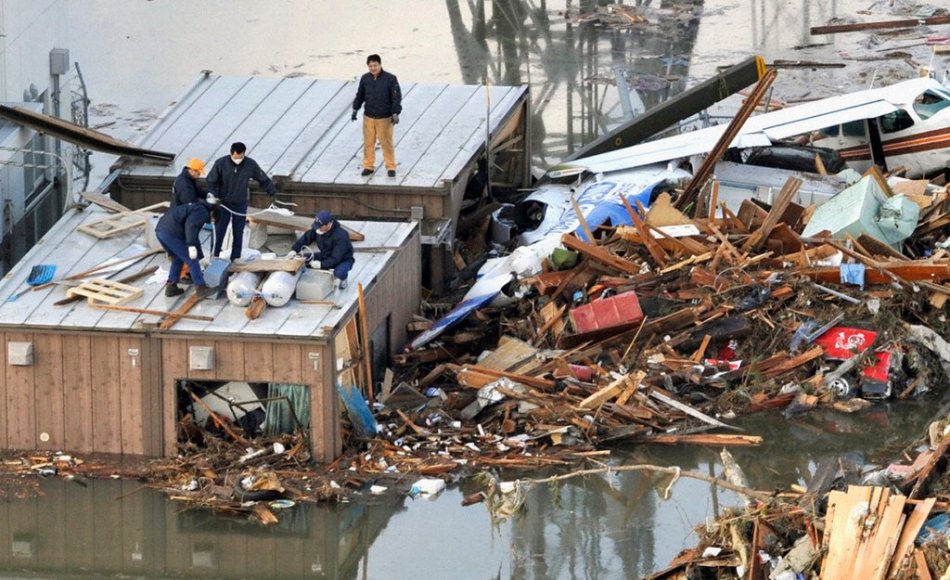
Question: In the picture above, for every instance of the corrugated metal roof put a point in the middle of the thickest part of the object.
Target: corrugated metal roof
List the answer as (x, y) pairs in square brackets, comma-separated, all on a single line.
[(73, 251), (300, 129)]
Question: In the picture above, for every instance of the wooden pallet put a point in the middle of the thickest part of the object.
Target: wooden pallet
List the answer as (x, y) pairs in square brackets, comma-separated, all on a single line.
[(100, 290), (121, 222)]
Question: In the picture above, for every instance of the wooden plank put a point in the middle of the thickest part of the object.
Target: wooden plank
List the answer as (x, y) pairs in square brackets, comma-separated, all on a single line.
[(842, 532), (583, 221), (21, 412), (77, 367), (288, 363), (175, 316), (712, 439), (116, 308), (509, 353), (104, 201), (297, 223), (131, 369), (599, 255), (4, 423), (175, 365), (365, 353), (784, 198), (907, 271), (51, 375), (905, 544), (878, 548), (106, 411)]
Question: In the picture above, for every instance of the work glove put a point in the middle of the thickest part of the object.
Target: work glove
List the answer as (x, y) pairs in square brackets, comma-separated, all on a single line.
[(193, 252), (353, 116), (290, 254), (314, 265), (396, 119)]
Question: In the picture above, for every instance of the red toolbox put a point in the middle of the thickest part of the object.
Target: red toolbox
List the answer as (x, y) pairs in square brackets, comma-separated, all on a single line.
[(620, 310)]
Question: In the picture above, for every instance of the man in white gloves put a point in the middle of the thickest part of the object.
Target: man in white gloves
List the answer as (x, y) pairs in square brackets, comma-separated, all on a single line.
[(334, 245), (177, 231)]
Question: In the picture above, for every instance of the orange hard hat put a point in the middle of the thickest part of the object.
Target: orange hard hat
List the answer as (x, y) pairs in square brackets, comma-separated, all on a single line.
[(196, 164)]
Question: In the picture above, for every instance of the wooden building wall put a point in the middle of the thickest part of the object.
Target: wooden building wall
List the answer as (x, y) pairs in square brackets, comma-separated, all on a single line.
[(397, 293), (299, 363), (343, 201), (86, 392)]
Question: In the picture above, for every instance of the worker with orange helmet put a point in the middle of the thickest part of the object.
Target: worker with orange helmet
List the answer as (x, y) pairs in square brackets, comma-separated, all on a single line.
[(186, 188)]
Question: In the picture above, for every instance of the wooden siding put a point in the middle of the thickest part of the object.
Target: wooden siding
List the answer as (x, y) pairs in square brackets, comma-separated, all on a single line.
[(258, 362), (361, 203), (397, 293), (84, 392)]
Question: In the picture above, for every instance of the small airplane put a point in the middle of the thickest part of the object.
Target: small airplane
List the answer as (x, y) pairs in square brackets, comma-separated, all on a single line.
[(907, 123)]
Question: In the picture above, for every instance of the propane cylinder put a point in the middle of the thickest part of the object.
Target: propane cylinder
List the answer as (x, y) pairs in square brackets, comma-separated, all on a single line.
[(242, 287), (279, 287)]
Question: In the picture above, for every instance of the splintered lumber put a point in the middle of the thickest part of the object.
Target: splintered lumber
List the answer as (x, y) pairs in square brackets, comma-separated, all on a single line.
[(903, 23), (106, 291), (509, 353), (705, 170), (715, 440), (656, 251), (688, 410), (255, 308), (185, 307), (224, 424), (903, 554), (112, 263), (610, 391), (152, 312), (495, 374), (784, 198), (583, 221), (121, 222), (104, 201), (599, 254), (885, 273)]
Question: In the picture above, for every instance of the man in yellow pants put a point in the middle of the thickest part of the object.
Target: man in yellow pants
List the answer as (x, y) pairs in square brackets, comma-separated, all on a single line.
[(379, 91)]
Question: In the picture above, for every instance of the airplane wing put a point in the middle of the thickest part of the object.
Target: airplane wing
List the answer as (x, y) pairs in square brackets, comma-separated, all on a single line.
[(759, 130)]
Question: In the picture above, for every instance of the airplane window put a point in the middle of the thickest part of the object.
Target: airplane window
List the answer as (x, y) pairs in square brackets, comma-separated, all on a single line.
[(928, 103), (896, 121), (829, 131), (853, 129)]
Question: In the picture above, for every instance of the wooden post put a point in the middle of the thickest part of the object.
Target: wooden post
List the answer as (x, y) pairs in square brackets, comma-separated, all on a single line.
[(364, 345)]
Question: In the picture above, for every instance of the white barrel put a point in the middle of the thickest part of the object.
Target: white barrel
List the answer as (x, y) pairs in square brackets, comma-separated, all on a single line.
[(242, 286), (279, 288)]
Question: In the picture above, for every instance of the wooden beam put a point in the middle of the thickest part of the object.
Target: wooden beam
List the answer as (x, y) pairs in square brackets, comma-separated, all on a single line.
[(364, 344), (599, 254), (173, 317), (147, 311)]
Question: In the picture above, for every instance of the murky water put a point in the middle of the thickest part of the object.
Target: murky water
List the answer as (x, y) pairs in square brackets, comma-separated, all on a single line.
[(137, 57), (596, 527)]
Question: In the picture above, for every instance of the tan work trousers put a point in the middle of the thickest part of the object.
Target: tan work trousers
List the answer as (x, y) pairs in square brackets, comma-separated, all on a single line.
[(381, 129)]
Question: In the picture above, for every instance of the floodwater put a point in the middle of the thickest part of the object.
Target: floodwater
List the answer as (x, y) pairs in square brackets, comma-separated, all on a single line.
[(617, 526), (138, 56)]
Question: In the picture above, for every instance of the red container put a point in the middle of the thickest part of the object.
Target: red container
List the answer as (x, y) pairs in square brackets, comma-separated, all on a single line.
[(841, 342), (620, 310)]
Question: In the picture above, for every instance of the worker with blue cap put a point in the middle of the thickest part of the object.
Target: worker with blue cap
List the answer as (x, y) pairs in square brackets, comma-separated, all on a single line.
[(335, 250)]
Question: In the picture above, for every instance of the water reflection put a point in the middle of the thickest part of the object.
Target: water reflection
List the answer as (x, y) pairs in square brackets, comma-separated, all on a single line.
[(596, 527)]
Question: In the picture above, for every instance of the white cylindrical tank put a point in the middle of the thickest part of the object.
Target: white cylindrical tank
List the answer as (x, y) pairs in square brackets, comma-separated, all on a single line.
[(242, 286), (279, 288)]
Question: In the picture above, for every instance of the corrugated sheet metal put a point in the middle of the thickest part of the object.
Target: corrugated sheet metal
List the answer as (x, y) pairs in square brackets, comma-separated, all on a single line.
[(300, 130)]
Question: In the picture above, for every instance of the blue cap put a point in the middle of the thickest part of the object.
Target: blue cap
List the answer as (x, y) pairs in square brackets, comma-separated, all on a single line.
[(322, 218)]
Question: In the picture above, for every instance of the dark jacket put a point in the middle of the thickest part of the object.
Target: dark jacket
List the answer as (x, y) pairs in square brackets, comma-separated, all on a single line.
[(229, 181), (381, 94), (335, 246), (186, 189), (185, 222)]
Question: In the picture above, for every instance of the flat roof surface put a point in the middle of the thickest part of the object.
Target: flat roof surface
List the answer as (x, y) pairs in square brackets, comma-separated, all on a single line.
[(72, 251), (300, 129)]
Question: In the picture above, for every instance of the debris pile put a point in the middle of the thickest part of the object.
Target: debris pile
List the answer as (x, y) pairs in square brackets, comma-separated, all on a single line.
[(664, 330), (888, 523)]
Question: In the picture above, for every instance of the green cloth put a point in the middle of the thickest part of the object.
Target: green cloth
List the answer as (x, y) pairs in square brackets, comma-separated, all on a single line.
[(277, 416)]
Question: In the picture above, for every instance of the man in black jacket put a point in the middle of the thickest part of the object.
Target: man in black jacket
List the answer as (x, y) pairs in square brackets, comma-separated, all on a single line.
[(335, 250), (186, 188), (228, 180), (177, 231), (380, 91)]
